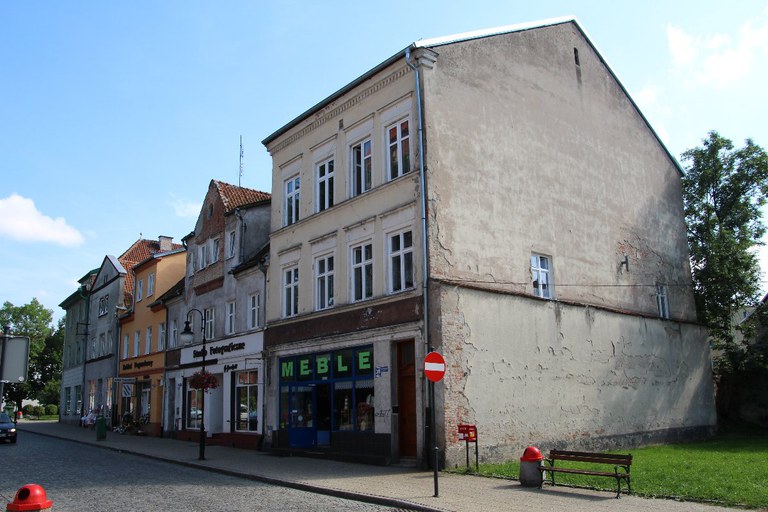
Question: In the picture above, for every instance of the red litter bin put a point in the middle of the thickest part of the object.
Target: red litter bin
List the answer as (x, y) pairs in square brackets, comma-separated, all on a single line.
[(30, 497), (530, 462)]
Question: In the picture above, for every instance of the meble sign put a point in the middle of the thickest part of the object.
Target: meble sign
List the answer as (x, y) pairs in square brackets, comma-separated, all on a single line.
[(342, 363)]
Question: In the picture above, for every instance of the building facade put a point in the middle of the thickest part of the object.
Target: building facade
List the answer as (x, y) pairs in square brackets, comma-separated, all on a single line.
[(223, 301), (497, 197), (76, 307), (143, 329)]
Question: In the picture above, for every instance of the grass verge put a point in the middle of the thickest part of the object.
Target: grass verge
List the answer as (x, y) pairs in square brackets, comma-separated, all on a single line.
[(730, 469)]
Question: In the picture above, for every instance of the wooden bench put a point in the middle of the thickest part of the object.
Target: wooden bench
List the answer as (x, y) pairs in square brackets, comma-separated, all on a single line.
[(621, 466)]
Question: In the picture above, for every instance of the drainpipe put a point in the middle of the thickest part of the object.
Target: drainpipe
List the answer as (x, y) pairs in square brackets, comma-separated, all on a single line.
[(425, 262), (423, 205)]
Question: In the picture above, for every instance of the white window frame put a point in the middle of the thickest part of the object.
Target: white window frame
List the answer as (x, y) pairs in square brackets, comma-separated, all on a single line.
[(214, 247), (361, 162), (229, 322), (126, 345), (662, 301), (174, 341), (254, 311), (150, 284), (161, 336), (398, 261), (210, 323), (402, 165), (358, 271), (139, 290), (203, 253), (136, 343), (148, 341), (325, 173), (291, 291), (325, 272), (292, 191), (541, 276), (231, 244)]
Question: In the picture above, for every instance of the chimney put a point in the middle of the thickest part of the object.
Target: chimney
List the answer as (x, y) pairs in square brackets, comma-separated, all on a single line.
[(166, 243)]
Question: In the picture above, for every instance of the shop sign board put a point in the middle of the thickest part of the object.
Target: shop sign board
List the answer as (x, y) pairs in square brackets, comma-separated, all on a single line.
[(434, 366)]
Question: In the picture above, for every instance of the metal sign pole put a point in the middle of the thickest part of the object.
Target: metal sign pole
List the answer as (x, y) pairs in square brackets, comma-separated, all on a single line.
[(4, 339), (434, 431)]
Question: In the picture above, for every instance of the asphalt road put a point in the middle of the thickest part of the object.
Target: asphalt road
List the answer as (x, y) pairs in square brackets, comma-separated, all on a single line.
[(85, 478)]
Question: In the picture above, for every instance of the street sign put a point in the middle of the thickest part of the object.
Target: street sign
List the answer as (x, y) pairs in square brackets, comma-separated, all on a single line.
[(125, 380), (14, 358), (434, 366)]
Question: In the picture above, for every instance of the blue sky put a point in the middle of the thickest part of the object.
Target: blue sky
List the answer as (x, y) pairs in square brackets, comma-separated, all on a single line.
[(114, 116)]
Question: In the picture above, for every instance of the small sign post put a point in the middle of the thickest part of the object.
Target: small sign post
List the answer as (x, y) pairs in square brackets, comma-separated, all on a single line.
[(468, 433), (434, 369)]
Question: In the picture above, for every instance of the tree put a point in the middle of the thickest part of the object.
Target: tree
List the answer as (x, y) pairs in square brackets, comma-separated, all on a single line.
[(723, 192), (31, 320)]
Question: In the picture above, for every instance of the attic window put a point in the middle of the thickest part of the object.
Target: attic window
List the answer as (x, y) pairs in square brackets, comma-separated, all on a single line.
[(210, 211), (576, 56)]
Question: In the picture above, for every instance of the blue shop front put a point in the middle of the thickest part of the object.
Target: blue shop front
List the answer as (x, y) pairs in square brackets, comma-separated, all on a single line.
[(327, 400)]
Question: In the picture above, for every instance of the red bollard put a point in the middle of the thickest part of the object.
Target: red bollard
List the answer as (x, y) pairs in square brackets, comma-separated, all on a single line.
[(30, 497)]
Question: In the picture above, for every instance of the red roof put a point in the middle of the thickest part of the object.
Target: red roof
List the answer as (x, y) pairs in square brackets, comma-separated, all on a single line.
[(136, 253), (233, 196)]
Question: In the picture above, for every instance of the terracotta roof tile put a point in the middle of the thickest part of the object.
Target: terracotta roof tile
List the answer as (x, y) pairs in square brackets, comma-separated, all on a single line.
[(233, 196), (136, 253)]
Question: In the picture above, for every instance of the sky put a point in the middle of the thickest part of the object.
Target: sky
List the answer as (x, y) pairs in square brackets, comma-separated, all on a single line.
[(115, 116)]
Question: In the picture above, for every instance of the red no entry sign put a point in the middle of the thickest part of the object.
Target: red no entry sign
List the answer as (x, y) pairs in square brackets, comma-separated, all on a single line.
[(434, 366)]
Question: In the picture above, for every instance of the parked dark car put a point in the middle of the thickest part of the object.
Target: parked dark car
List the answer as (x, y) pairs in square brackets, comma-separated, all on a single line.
[(7, 428)]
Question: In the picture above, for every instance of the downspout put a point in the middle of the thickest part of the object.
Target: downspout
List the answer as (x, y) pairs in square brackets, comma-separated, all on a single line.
[(425, 267), (423, 205)]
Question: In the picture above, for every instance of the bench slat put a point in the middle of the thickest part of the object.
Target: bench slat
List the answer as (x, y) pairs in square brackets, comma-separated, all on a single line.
[(584, 472)]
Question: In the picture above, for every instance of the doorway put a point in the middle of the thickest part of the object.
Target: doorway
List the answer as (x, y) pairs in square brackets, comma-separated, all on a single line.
[(406, 398), (323, 413)]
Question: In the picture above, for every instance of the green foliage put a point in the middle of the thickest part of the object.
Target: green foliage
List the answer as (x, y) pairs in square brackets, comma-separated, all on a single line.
[(723, 192), (51, 410), (50, 394), (38, 410), (27, 409), (729, 469), (45, 346)]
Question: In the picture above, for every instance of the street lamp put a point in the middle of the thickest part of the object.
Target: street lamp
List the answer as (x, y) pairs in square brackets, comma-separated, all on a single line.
[(186, 337)]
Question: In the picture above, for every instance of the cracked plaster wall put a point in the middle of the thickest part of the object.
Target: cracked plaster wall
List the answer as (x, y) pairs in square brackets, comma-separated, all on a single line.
[(527, 371)]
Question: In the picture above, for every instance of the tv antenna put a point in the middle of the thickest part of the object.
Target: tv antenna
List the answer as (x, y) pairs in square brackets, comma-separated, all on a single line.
[(241, 162)]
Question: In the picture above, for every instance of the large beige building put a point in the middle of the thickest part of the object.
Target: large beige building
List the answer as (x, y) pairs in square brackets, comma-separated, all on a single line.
[(497, 197)]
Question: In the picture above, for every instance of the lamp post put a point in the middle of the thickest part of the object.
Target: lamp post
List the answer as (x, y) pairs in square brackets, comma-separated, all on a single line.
[(186, 337)]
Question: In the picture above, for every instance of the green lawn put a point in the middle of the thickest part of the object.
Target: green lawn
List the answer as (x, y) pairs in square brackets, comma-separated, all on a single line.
[(730, 469)]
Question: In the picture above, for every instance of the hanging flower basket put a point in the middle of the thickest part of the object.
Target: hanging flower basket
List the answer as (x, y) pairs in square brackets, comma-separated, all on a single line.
[(203, 380)]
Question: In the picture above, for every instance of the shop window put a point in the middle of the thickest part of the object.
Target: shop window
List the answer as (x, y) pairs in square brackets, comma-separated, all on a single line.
[(343, 415), (194, 408), (364, 400), (246, 396)]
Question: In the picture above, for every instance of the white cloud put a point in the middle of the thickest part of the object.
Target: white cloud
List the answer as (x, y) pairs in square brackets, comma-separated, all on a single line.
[(184, 207), (718, 60), (647, 96), (21, 220)]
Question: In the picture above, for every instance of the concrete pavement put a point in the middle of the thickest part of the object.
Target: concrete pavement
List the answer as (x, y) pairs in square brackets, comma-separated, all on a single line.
[(403, 488)]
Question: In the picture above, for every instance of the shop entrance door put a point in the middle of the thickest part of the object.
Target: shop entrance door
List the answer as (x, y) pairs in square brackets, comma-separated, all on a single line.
[(302, 429), (323, 408), (406, 398)]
